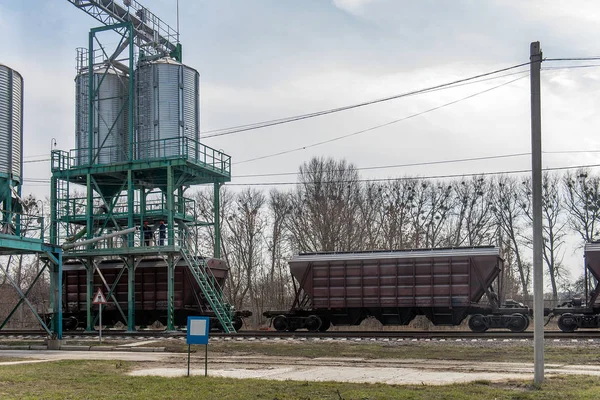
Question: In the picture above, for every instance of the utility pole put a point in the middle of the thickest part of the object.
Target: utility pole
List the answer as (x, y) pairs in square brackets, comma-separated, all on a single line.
[(535, 57)]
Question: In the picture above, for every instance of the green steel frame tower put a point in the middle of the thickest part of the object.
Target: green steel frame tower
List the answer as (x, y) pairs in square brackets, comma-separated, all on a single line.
[(125, 188), (20, 232)]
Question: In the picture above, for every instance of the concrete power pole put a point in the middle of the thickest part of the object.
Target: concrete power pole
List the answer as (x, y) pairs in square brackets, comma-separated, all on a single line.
[(535, 56)]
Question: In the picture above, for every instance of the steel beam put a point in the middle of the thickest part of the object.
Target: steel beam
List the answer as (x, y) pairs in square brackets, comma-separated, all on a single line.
[(171, 293), (217, 220), (131, 265)]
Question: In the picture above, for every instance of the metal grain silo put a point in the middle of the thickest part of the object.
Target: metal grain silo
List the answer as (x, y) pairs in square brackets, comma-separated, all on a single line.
[(11, 125), (167, 110), (111, 111)]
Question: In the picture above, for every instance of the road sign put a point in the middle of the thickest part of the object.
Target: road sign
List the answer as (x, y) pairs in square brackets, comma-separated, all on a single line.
[(197, 330), (99, 298), (197, 333)]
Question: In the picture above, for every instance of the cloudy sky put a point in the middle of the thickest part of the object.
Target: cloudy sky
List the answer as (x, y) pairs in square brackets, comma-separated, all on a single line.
[(262, 60), (267, 59)]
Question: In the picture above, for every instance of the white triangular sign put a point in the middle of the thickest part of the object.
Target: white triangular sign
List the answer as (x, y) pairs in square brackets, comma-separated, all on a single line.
[(99, 298)]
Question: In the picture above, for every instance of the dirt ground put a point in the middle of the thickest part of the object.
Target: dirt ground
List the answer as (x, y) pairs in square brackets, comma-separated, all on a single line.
[(304, 369)]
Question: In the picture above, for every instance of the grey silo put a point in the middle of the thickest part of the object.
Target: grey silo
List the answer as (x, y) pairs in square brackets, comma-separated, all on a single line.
[(167, 110), (11, 124), (111, 111)]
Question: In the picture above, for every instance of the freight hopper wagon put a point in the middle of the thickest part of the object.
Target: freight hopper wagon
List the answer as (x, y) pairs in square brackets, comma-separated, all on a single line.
[(578, 313), (151, 290), (445, 285)]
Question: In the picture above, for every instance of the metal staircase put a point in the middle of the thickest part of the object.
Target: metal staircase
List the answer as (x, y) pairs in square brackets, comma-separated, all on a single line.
[(211, 290)]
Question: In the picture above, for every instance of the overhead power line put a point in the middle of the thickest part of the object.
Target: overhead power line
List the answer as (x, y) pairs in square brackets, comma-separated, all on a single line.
[(45, 182), (378, 126), (243, 128), (449, 176), (592, 58), (423, 163), (259, 124), (400, 165)]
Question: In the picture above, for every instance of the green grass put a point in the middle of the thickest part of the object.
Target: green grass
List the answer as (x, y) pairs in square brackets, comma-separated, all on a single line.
[(11, 359), (501, 352), (106, 379)]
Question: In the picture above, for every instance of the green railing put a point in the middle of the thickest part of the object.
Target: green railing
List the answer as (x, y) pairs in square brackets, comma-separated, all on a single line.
[(116, 243), (153, 150), (153, 208), (22, 225)]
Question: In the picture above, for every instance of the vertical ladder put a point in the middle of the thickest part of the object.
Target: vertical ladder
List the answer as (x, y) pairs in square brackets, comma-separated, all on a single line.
[(62, 205), (212, 292)]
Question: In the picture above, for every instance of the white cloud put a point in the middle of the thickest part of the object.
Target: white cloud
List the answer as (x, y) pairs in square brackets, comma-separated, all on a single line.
[(352, 6)]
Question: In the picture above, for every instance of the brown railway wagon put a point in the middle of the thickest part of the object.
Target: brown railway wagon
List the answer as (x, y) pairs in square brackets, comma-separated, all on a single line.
[(151, 291), (445, 285), (580, 313)]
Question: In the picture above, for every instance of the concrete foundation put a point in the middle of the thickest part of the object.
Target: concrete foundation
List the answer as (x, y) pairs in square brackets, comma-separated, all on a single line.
[(55, 344)]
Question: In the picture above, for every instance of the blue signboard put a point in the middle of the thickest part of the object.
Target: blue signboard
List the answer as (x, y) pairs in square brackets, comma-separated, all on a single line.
[(197, 330)]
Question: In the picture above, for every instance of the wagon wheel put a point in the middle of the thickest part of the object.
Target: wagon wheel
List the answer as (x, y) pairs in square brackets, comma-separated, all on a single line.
[(477, 323), (325, 325), (237, 323), (567, 322), (313, 323), (280, 323), (518, 323)]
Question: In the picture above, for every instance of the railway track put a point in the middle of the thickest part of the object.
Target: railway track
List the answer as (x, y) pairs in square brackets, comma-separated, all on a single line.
[(368, 335)]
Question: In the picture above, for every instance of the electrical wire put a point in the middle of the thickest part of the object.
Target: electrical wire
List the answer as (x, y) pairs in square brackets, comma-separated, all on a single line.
[(398, 165), (430, 177), (425, 91), (449, 176), (243, 128), (592, 58), (257, 125), (377, 126), (424, 163)]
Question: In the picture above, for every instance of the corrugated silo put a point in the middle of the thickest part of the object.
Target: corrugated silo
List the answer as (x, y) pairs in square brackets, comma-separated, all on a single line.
[(11, 129), (167, 110), (111, 116)]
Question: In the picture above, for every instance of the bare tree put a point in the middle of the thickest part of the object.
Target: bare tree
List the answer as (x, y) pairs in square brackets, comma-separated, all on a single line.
[(245, 243), (278, 278), (582, 199), (439, 207), (326, 207), (418, 197), (395, 202), (553, 224), (473, 217), (509, 211)]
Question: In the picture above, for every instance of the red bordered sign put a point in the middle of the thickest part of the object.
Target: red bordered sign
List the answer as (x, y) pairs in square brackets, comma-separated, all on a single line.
[(99, 298)]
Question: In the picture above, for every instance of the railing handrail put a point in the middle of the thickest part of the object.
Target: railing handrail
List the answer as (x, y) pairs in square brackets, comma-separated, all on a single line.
[(192, 149)]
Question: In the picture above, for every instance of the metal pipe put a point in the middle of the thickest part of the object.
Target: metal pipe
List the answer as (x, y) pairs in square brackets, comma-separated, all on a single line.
[(68, 246)]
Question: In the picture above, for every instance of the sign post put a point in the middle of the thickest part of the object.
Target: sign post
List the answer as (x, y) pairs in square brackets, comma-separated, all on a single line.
[(197, 333), (99, 299)]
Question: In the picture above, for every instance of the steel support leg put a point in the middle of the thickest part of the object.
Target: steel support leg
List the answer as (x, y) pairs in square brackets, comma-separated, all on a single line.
[(89, 293), (170, 208), (53, 216), (217, 220), (56, 296), (171, 293), (130, 206), (131, 295)]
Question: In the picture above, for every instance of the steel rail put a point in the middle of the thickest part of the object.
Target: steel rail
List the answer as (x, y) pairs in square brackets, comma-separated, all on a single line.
[(583, 334)]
